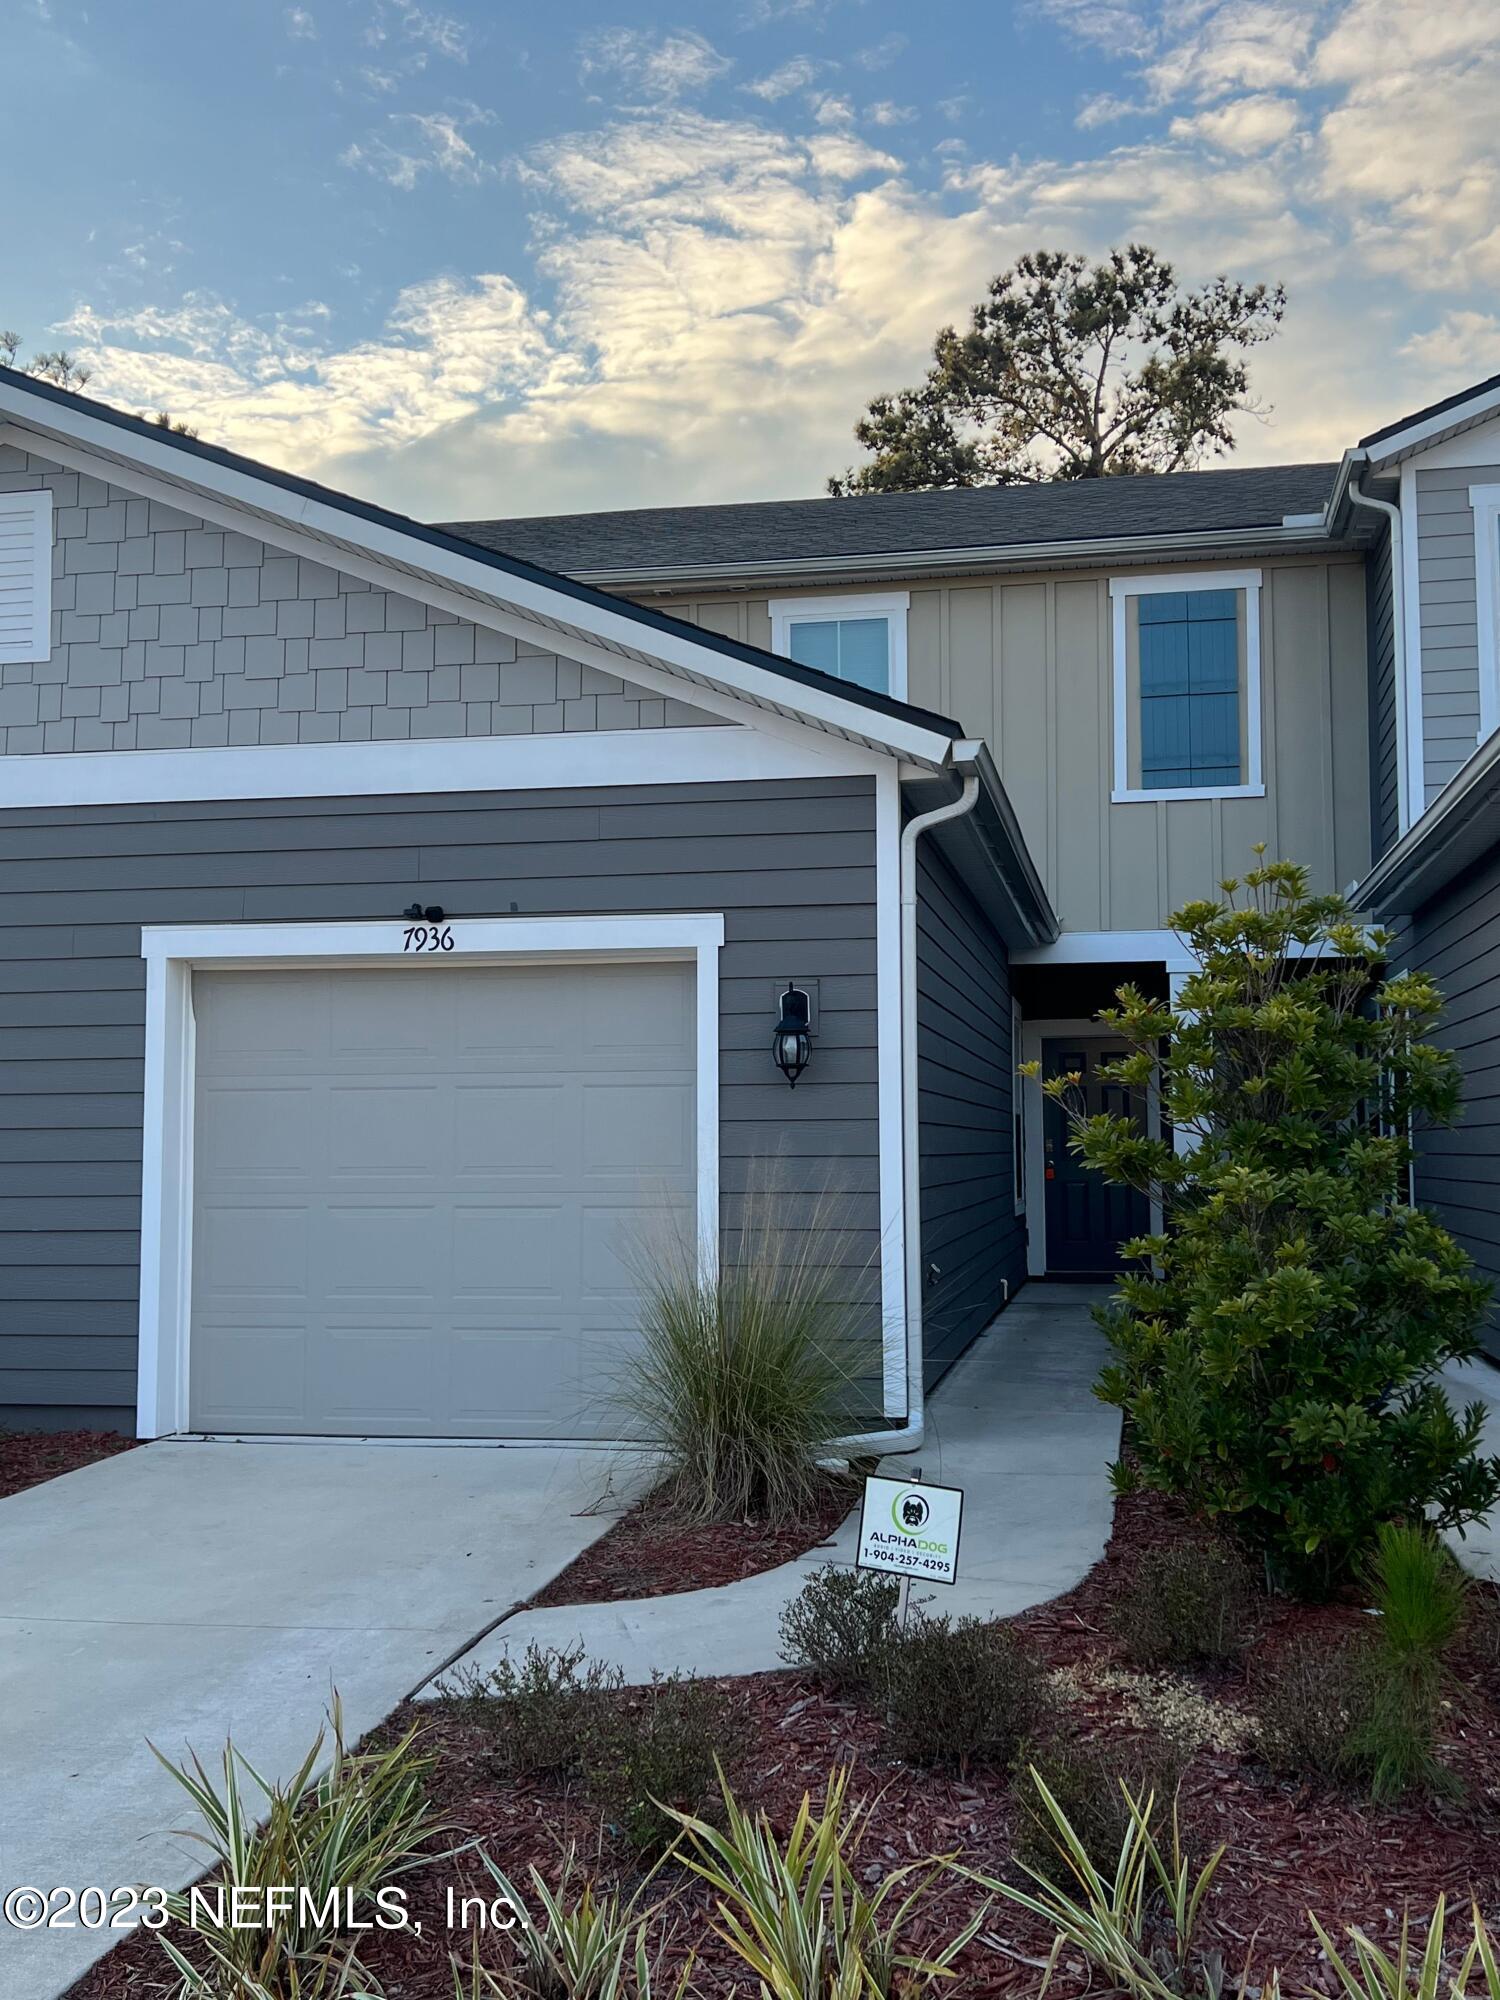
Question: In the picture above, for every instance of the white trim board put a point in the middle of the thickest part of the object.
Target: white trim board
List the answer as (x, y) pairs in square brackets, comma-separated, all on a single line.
[(1414, 804), (173, 951), (891, 1113), (618, 757), (1122, 588)]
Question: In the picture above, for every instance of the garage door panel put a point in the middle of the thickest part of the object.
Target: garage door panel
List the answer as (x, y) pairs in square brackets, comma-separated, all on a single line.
[(453, 1248), (526, 1130)]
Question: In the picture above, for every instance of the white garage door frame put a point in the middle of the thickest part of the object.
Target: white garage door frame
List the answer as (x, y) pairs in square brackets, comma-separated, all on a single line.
[(173, 952)]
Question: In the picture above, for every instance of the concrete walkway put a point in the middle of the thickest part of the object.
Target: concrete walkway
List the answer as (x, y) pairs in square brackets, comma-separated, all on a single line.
[(1015, 1424), (184, 1592), (1478, 1547)]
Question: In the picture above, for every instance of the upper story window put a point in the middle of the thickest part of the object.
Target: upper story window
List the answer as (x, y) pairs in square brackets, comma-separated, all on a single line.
[(25, 577), (858, 639), (1187, 685)]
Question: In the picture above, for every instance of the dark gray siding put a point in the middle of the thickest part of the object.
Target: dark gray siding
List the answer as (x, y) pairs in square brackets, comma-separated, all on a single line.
[(965, 1077), (1448, 616), (1457, 939), (1385, 822), (790, 864)]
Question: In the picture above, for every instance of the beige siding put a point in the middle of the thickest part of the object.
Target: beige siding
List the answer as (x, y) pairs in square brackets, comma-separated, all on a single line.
[(1025, 663)]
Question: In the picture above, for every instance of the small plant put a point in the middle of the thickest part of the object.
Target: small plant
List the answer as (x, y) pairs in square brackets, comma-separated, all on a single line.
[(841, 1624), (647, 1754), (1278, 1346), (1375, 1975), (963, 1694), (1092, 1785), (1188, 1602), (588, 1947), (1419, 1592), (742, 1383), (338, 1839), (536, 1714), (799, 1917), (1312, 1701), (1136, 1925)]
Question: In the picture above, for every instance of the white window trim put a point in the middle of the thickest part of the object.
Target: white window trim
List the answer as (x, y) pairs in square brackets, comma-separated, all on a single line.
[(1123, 587), (891, 605), (1485, 500), (172, 952), (37, 643)]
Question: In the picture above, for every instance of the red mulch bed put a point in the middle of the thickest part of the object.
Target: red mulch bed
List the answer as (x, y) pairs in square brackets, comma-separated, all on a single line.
[(1291, 1847), (644, 1556), (29, 1457)]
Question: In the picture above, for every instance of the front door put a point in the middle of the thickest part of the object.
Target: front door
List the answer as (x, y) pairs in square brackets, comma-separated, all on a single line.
[(1087, 1218)]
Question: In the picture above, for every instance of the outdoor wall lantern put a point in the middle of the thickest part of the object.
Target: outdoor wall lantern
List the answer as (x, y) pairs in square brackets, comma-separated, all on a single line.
[(791, 1044)]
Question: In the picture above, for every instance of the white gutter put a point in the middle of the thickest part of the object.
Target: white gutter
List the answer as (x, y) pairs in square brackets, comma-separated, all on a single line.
[(1392, 512), (909, 1436)]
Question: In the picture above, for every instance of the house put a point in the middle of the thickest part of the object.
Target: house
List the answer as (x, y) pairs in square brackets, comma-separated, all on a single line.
[(396, 918)]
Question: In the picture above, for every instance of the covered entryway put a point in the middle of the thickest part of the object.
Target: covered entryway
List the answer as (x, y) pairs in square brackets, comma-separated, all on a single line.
[(419, 1190), (1087, 1217)]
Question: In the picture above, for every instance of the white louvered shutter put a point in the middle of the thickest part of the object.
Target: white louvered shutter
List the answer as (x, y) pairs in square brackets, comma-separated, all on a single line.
[(25, 576)]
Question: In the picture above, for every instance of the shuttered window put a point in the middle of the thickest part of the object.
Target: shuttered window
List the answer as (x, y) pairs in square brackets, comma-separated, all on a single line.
[(25, 576), (1190, 689)]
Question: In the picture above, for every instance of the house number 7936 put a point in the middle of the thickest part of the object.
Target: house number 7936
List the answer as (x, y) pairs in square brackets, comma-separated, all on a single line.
[(427, 937)]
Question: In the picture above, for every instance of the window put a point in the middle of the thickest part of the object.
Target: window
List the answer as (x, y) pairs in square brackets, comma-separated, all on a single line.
[(858, 639), (25, 577), (1187, 685)]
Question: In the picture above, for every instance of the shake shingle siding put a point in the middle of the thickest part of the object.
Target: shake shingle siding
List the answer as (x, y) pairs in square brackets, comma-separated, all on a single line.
[(965, 1073), (1456, 938), (790, 864)]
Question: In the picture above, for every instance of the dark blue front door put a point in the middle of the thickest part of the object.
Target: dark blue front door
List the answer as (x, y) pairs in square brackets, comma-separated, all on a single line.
[(1087, 1218)]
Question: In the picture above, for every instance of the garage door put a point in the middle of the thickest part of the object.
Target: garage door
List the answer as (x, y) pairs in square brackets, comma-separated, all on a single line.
[(420, 1193)]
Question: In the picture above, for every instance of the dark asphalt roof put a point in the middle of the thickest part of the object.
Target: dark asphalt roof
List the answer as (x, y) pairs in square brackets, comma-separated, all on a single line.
[(1453, 402), (1145, 504)]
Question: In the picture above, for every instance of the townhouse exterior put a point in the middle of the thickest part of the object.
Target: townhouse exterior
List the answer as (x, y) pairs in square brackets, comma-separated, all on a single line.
[(395, 918)]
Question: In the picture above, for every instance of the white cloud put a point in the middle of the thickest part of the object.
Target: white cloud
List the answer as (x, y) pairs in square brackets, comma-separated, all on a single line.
[(881, 54), (887, 113), (300, 25), (1243, 125), (422, 143), (790, 76), (441, 33), (1463, 344), (663, 67), (1118, 27)]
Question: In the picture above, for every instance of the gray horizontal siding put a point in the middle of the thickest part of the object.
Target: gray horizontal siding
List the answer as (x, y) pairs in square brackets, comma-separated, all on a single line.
[(1456, 938), (790, 864), (169, 633), (965, 1080), (1448, 619)]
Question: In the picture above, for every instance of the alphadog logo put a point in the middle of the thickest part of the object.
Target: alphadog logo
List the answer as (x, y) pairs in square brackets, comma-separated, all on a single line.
[(910, 1528)]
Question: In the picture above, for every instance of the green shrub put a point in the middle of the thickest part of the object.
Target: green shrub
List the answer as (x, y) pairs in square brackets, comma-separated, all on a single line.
[(656, 1750), (1089, 1782), (841, 1624), (534, 1715), (742, 1382), (568, 1946), (359, 1825), (1190, 1601), (962, 1694), (1277, 1346), (1419, 1592), (1313, 1699)]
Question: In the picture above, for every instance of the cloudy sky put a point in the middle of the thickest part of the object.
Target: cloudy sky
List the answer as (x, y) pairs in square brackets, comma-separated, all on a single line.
[(486, 258)]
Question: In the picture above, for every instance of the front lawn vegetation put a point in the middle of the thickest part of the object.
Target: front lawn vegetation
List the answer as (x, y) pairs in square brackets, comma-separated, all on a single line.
[(1277, 1347)]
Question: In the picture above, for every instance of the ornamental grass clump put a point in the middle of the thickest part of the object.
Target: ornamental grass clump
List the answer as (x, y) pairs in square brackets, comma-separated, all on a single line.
[(743, 1379), (1278, 1345)]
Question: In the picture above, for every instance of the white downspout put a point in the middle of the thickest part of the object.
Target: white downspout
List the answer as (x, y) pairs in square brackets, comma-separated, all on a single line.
[(1407, 810), (909, 1436)]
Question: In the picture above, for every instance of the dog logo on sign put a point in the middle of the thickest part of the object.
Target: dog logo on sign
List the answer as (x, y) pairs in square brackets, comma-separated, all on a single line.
[(912, 1513)]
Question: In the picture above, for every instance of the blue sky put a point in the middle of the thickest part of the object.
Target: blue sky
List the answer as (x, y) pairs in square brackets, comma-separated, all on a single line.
[(494, 259)]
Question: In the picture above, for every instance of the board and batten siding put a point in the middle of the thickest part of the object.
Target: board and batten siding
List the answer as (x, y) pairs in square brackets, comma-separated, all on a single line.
[(1449, 618), (1456, 938), (972, 1238), (170, 634), (791, 864), (1025, 663)]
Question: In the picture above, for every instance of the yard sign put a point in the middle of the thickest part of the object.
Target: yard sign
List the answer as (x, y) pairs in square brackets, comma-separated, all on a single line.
[(911, 1529)]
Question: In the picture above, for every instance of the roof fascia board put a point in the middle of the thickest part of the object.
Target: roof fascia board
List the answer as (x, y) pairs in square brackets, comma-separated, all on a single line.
[(421, 561), (1100, 551), (1433, 429), (1421, 849)]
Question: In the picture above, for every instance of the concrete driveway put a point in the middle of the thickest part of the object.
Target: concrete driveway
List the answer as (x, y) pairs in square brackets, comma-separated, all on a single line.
[(184, 1592)]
